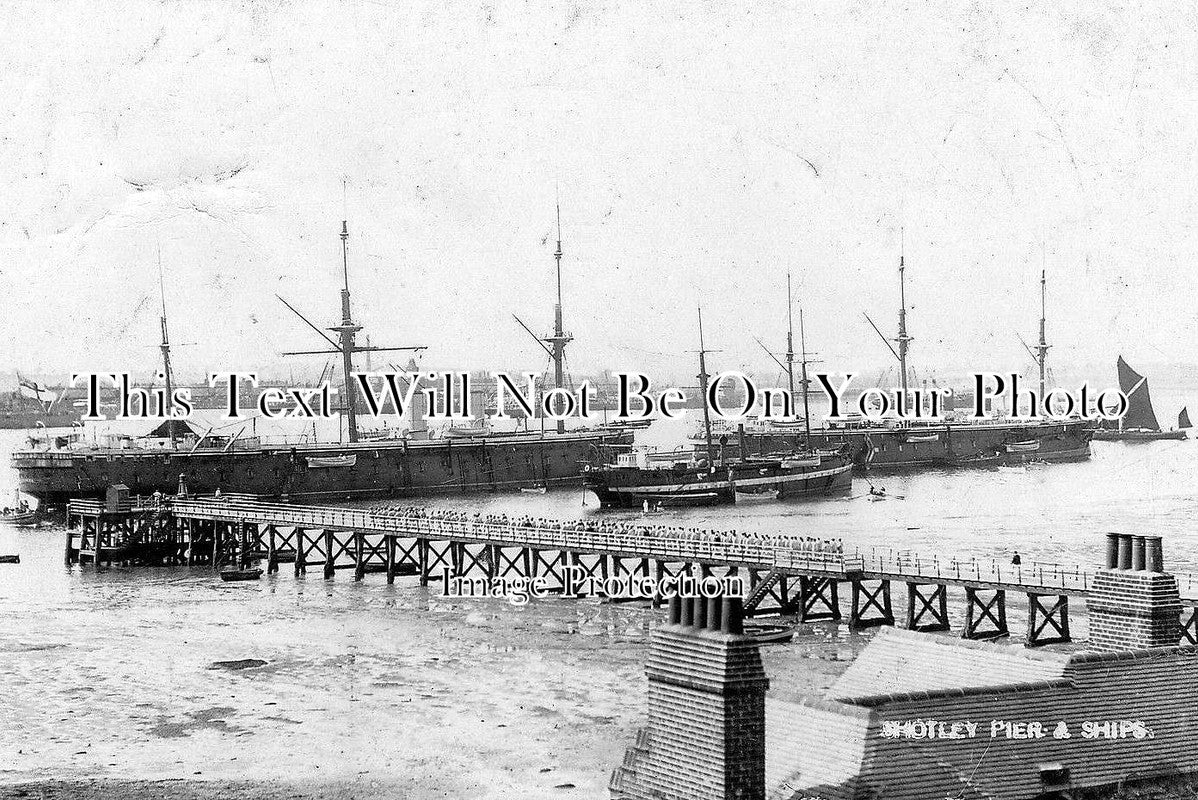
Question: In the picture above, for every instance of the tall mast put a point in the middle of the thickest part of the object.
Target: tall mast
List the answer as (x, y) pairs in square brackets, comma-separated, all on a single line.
[(790, 357), (902, 339), (560, 338), (165, 347), (1042, 347), (806, 383), (346, 332), (790, 343), (345, 345), (703, 392)]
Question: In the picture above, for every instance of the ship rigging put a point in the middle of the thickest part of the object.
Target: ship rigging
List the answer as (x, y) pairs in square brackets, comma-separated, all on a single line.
[(557, 341), (903, 340), (703, 393), (788, 366), (346, 345)]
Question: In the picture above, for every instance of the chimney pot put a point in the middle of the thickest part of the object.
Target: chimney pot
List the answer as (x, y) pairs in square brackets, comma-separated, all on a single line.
[(733, 616), (1137, 553), (714, 606), (675, 609), (1154, 554), (700, 612), (1112, 550), (1124, 551)]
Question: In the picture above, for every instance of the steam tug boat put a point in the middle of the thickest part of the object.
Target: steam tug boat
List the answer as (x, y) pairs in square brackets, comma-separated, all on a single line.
[(634, 480), (641, 478)]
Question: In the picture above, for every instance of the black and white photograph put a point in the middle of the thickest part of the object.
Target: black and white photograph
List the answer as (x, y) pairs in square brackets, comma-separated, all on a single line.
[(717, 401)]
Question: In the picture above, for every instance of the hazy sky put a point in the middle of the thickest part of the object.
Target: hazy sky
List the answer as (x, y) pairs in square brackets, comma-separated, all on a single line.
[(699, 155)]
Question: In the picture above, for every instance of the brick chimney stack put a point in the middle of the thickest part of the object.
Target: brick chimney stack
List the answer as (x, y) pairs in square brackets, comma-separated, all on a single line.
[(706, 733), (1134, 604)]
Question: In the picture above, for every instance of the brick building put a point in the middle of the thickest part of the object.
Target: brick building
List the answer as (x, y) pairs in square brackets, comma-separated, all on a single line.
[(920, 716), (836, 747), (706, 734)]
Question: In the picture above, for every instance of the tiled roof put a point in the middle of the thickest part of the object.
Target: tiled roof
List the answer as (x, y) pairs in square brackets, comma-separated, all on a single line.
[(793, 767), (813, 747), (900, 662), (828, 750)]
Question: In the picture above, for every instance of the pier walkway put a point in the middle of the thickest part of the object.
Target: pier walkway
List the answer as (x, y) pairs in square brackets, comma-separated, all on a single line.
[(583, 557)]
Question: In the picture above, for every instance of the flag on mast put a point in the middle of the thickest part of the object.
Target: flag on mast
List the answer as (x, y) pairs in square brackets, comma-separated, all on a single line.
[(33, 390)]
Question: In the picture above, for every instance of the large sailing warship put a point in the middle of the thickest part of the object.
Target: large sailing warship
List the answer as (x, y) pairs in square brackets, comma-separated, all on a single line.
[(912, 444), (176, 453)]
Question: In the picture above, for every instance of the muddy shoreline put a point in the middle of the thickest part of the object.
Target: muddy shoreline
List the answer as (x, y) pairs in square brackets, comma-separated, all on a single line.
[(183, 789)]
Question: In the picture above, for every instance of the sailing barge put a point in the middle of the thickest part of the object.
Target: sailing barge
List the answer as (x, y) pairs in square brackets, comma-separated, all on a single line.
[(1139, 423), (175, 454)]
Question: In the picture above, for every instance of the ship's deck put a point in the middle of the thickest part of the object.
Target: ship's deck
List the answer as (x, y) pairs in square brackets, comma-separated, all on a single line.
[(69, 454)]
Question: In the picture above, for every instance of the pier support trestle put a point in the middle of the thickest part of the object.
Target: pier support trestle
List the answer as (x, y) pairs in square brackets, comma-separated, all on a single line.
[(1047, 624), (867, 599), (1189, 627), (980, 610), (927, 611), (818, 598)]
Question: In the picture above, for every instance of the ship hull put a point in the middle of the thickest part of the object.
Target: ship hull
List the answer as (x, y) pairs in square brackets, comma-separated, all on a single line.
[(21, 420), (953, 446), (332, 472), (1102, 435), (632, 488)]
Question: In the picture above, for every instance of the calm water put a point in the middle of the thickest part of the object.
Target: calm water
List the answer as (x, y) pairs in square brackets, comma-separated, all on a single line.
[(108, 674)]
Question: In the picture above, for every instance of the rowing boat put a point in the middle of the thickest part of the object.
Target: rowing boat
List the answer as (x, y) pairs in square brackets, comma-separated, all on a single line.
[(240, 574)]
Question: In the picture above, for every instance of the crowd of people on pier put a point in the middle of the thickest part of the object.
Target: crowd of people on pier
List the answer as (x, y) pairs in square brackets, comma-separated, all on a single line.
[(678, 533)]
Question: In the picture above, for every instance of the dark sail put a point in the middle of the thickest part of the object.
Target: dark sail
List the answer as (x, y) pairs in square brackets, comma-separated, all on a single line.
[(1183, 419), (1139, 404)]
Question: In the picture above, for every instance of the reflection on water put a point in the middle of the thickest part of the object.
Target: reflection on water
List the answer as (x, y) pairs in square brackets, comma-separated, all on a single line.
[(109, 673)]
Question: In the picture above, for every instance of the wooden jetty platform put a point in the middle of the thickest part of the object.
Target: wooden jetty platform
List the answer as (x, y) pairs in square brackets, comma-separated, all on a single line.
[(777, 578)]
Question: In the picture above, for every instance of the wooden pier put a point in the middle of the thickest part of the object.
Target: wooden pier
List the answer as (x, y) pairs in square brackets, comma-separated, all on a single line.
[(777, 579)]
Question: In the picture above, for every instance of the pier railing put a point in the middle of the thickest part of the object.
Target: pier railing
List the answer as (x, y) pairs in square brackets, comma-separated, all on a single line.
[(645, 542), (1034, 574)]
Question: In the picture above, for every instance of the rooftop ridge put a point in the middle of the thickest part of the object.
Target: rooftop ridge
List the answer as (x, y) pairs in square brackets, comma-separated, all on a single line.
[(1091, 656), (974, 644), (870, 701)]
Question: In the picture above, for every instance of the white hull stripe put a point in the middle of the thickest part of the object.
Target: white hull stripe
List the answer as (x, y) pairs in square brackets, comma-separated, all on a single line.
[(681, 488)]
